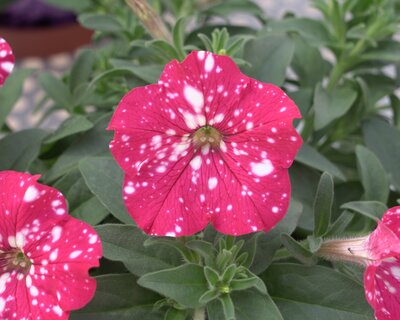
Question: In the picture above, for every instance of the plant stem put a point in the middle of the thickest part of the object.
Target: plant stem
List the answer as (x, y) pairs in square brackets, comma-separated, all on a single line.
[(199, 314), (336, 73)]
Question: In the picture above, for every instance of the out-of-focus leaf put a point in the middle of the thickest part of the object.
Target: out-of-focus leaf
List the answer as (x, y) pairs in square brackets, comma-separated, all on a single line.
[(313, 31), (18, 150), (56, 90), (119, 297), (249, 305), (330, 106), (312, 158), (304, 292), (100, 22), (104, 178), (371, 209), (373, 175), (11, 91), (73, 125), (148, 73), (323, 205), (125, 243), (384, 140), (269, 57), (93, 142), (184, 284)]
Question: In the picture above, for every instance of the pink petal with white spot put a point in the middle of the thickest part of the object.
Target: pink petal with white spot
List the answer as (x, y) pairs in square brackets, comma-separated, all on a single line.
[(382, 277), (382, 288), (6, 60), (60, 249), (174, 186)]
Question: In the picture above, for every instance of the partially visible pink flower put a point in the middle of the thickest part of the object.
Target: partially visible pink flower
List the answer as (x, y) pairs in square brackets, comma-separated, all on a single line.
[(205, 144), (380, 253), (6, 60), (382, 276), (45, 254)]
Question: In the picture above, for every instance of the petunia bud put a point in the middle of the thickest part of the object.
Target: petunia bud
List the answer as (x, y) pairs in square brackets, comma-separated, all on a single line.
[(150, 19)]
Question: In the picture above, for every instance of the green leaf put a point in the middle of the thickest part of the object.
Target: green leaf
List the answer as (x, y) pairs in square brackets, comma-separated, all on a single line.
[(297, 250), (104, 178), (184, 284), (147, 73), (268, 243), (304, 292), (19, 150), (314, 31), (205, 249), (125, 243), (119, 297), (312, 158), (384, 140), (373, 175), (11, 91), (212, 276), (227, 8), (243, 284), (91, 211), (91, 143), (323, 205), (209, 296), (308, 63), (72, 125), (164, 49), (175, 314), (387, 51), (269, 57), (100, 22), (330, 106), (178, 34), (81, 69), (56, 90), (227, 306), (249, 305), (371, 209)]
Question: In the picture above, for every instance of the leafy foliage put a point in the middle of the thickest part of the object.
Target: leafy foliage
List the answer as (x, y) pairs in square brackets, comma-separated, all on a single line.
[(335, 70)]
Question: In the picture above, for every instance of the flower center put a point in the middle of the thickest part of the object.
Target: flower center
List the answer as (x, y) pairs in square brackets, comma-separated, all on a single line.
[(14, 260), (207, 135)]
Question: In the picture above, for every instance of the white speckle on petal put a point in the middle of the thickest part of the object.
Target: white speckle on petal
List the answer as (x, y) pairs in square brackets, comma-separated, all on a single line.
[(263, 168), (2, 304), (56, 233), (31, 194), (34, 291), (7, 66), (201, 55), (212, 183), (75, 254), (129, 189), (194, 97), (209, 65), (161, 169), (93, 239), (396, 272), (196, 163)]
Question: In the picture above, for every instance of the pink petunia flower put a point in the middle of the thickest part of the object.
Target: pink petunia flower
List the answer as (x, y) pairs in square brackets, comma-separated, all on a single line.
[(380, 253), (45, 254), (6, 61), (205, 144)]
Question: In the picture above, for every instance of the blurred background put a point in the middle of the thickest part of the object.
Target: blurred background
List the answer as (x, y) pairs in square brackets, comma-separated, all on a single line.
[(45, 37)]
